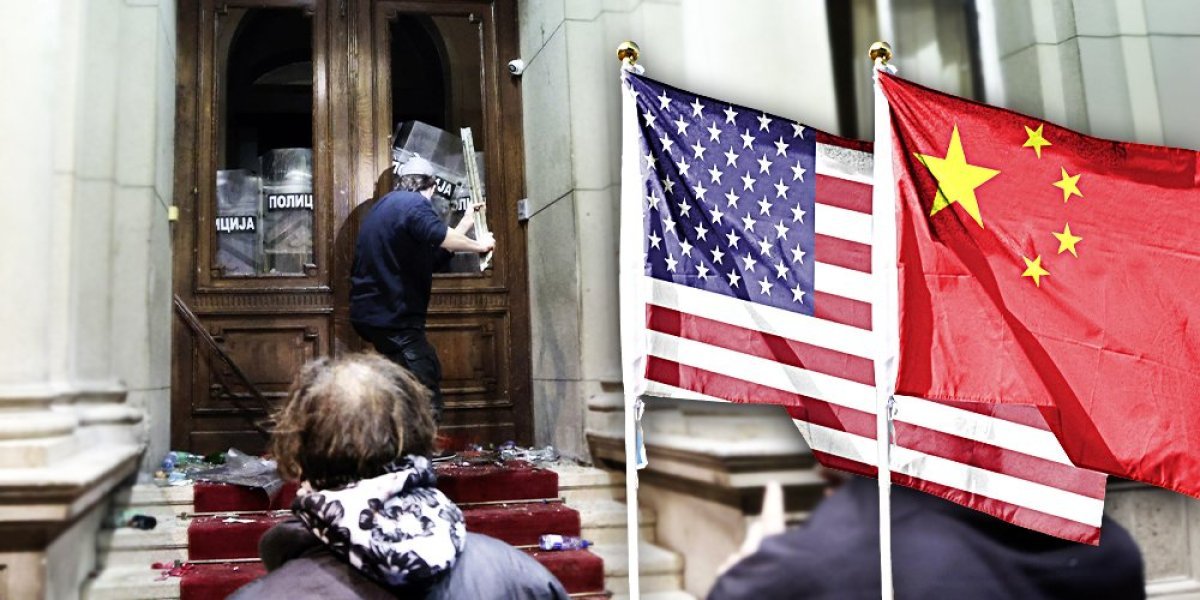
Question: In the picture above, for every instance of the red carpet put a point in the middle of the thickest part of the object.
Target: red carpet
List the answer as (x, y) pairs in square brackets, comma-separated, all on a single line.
[(221, 497), (212, 538), (515, 480), (578, 570), (215, 582), (522, 524), (225, 537)]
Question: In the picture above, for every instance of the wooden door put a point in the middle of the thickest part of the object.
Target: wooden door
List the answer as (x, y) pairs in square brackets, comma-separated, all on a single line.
[(285, 116)]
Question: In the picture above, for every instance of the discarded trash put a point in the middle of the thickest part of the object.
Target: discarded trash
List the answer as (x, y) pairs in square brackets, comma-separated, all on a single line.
[(243, 469), (552, 541), (172, 569), (510, 451), (134, 520), (178, 467)]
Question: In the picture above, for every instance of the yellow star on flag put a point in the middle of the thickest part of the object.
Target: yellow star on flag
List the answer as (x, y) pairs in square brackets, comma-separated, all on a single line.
[(1033, 268), (1036, 141), (1067, 241), (1069, 185), (956, 178)]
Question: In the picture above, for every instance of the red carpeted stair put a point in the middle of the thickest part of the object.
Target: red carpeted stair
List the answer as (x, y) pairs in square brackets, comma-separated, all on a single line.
[(497, 500)]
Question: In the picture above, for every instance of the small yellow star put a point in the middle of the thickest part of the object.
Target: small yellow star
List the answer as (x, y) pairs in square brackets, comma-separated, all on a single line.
[(1036, 141), (1067, 241), (1069, 185), (956, 178), (1033, 268)]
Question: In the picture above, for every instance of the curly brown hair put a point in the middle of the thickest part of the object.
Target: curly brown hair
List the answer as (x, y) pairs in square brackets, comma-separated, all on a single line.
[(345, 419)]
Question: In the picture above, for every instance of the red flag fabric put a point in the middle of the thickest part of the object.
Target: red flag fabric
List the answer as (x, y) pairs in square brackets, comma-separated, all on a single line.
[(1041, 266)]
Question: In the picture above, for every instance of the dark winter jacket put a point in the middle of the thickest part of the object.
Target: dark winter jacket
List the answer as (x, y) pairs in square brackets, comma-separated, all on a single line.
[(939, 550), (300, 566)]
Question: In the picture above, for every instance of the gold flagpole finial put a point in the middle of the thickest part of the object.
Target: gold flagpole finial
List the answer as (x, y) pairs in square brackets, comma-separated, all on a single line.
[(628, 53), (881, 51)]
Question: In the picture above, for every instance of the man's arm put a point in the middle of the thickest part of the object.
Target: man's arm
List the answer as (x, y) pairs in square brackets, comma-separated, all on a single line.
[(456, 241)]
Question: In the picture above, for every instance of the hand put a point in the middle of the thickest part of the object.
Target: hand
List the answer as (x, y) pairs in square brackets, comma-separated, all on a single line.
[(771, 522), (487, 241)]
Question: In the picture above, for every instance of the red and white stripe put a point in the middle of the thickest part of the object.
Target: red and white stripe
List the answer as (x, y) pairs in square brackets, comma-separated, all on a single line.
[(1002, 460)]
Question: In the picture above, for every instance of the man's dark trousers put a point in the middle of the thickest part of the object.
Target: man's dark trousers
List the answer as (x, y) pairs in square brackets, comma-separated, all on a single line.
[(409, 348)]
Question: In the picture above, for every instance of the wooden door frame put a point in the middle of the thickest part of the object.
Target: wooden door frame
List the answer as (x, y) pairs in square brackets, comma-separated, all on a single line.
[(504, 139), (349, 153)]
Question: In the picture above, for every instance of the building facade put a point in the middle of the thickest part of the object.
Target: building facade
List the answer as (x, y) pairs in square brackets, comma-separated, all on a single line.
[(120, 114)]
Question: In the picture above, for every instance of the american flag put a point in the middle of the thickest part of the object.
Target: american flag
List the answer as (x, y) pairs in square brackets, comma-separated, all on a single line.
[(757, 288)]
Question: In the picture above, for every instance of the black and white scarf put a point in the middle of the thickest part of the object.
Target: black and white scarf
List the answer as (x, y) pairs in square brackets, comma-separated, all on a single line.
[(396, 528)]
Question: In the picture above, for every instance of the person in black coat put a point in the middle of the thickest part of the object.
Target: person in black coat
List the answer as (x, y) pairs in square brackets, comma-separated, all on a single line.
[(939, 550), (370, 521)]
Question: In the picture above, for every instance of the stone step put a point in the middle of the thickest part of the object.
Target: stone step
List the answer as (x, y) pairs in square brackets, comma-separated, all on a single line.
[(131, 582), (578, 483), (606, 521), (149, 494), (125, 546), (660, 570)]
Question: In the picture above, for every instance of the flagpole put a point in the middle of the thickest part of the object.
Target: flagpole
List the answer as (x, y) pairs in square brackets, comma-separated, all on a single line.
[(885, 309), (632, 306)]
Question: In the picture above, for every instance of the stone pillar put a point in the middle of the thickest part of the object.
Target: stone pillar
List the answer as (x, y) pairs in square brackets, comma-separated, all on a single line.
[(87, 117)]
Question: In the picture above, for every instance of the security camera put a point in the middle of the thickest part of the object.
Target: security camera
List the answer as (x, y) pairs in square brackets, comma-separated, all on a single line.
[(516, 67)]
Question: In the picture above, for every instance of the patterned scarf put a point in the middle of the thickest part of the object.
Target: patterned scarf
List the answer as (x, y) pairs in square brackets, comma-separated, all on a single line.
[(396, 528)]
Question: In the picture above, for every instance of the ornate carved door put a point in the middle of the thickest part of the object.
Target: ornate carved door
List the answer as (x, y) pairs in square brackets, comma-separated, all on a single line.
[(285, 117)]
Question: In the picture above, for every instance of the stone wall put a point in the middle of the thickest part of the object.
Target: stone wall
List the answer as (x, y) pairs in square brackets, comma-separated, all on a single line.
[(85, 172)]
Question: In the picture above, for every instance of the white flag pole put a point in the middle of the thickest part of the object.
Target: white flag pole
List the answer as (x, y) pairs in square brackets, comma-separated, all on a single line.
[(885, 310), (632, 300)]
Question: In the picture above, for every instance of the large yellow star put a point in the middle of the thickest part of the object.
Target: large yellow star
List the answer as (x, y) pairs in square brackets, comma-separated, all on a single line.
[(1069, 184), (1067, 241), (1033, 268), (956, 178), (1036, 141)]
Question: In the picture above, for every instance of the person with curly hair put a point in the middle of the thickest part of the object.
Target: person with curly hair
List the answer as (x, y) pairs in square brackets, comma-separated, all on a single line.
[(357, 433)]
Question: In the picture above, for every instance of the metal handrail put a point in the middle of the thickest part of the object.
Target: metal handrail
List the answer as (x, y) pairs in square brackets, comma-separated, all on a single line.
[(193, 322)]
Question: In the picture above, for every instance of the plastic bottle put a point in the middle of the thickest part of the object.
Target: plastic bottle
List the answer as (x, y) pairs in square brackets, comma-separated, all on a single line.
[(552, 541)]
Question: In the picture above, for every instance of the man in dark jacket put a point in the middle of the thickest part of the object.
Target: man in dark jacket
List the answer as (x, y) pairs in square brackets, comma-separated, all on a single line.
[(939, 550), (301, 566), (397, 246), (370, 521)]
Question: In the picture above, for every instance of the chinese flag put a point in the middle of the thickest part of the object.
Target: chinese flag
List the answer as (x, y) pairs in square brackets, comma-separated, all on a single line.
[(1041, 266)]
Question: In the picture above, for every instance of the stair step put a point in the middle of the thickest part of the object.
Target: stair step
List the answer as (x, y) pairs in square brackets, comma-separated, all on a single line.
[(660, 570), (579, 571), (129, 582), (578, 483), (168, 541), (149, 494), (221, 497), (522, 524), (514, 480), (216, 538), (605, 521), (217, 581)]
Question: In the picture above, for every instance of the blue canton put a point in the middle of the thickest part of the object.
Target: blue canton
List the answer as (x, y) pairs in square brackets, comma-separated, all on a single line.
[(730, 195)]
